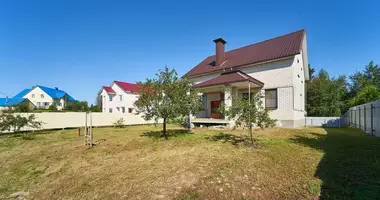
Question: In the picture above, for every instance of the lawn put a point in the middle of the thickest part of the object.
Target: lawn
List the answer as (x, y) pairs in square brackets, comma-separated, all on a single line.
[(133, 163)]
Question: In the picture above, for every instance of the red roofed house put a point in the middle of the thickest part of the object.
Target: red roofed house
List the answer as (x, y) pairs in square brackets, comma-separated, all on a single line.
[(278, 68), (120, 97)]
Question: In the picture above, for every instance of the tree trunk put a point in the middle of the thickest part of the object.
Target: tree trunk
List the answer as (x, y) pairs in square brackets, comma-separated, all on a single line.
[(250, 133), (164, 130)]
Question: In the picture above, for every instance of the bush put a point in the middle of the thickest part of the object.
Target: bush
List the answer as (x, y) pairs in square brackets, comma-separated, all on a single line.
[(119, 123), (11, 122)]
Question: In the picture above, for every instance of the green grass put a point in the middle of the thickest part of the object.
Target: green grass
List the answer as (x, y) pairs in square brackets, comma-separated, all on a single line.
[(135, 163)]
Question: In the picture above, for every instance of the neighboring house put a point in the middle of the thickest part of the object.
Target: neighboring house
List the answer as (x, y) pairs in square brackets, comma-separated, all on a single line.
[(39, 97), (277, 68), (119, 98)]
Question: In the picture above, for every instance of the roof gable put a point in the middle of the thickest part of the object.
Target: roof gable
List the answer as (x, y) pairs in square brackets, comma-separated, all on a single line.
[(128, 87), (272, 49), (230, 77), (54, 93)]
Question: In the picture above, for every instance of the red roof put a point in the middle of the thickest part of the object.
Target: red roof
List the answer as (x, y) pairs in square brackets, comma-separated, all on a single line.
[(230, 77), (275, 48), (108, 89), (128, 87)]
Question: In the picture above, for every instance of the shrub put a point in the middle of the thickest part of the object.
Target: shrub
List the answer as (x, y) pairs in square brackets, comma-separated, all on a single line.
[(119, 123)]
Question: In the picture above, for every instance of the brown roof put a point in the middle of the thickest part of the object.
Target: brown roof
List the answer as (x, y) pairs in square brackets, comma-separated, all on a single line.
[(275, 48), (128, 87), (229, 77)]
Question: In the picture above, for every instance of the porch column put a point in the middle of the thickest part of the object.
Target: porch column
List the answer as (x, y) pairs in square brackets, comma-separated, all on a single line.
[(228, 97)]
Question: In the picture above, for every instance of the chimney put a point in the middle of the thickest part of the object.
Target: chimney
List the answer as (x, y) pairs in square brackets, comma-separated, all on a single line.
[(220, 54), (6, 99)]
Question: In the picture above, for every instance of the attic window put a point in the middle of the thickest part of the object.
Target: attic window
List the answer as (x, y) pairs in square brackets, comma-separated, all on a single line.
[(298, 61), (33, 95), (42, 96)]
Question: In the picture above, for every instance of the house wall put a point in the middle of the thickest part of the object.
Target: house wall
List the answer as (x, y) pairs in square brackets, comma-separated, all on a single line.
[(34, 96), (44, 102), (127, 100), (283, 76)]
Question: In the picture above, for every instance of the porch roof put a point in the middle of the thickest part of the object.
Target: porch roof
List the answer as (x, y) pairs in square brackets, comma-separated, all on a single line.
[(234, 76)]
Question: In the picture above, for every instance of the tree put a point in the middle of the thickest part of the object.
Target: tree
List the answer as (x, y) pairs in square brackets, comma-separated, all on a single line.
[(22, 107), (95, 108), (167, 97), (12, 122), (360, 80), (77, 106), (368, 94), (326, 96), (247, 111)]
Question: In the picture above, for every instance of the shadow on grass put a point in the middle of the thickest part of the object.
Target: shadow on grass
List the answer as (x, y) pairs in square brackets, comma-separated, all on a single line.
[(350, 167), (170, 133), (236, 140)]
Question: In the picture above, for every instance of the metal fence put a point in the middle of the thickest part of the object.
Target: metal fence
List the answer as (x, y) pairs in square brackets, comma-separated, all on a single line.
[(324, 121), (365, 117)]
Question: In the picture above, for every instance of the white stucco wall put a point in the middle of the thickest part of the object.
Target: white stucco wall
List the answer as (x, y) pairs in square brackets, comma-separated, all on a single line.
[(35, 97), (127, 100)]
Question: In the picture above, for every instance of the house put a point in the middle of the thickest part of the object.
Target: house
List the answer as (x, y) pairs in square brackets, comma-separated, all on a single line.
[(119, 97), (39, 97), (277, 68)]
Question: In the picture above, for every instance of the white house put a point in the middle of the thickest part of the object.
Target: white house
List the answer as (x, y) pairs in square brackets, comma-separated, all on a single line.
[(39, 97), (278, 68), (120, 97), (43, 97)]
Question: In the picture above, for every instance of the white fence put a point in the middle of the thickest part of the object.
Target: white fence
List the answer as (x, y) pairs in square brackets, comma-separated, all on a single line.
[(60, 120), (365, 117), (324, 121)]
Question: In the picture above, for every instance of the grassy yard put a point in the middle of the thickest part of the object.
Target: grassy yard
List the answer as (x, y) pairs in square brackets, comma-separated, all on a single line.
[(133, 163)]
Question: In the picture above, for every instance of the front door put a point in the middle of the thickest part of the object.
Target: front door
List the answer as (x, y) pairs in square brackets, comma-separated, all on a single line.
[(214, 108)]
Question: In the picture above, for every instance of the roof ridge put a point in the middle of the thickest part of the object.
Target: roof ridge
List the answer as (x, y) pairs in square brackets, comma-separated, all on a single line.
[(302, 30)]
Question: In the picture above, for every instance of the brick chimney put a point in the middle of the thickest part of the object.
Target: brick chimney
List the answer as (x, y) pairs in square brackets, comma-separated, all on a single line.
[(220, 54)]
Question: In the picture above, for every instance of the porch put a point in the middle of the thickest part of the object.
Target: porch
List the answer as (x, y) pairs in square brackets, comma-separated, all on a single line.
[(220, 90)]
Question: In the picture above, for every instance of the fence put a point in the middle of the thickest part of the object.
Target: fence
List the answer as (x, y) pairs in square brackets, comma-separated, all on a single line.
[(324, 121), (365, 117), (60, 120)]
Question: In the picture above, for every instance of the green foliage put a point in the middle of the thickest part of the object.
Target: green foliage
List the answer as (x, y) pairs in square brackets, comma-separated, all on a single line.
[(77, 106), (326, 96), (119, 123), (15, 122), (360, 80), (22, 107), (95, 108), (167, 97), (248, 111), (52, 108), (367, 94)]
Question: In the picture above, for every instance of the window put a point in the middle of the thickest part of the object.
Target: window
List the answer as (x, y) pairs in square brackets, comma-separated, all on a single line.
[(271, 99), (246, 95), (110, 110), (46, 103), (42, 96), (33, 95), (121, 97), (118, 109), (123, 109), (111, 97), (130, 110)]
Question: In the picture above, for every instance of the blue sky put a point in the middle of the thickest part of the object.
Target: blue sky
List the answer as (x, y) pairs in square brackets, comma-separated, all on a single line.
[(79, 46)]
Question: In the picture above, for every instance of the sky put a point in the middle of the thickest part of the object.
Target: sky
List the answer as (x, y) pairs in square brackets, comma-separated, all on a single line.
[(79, 46)]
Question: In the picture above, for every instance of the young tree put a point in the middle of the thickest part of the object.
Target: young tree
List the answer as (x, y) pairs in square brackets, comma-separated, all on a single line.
[(247, 111), (12, 122), (167, 97)]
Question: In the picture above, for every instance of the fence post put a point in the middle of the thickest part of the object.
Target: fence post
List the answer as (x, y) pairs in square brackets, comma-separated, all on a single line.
[(372, 107), (360, 119), (365, 121)]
